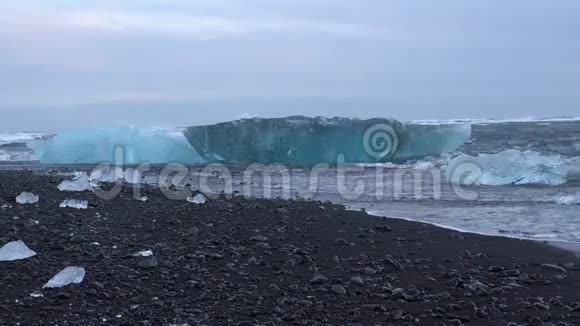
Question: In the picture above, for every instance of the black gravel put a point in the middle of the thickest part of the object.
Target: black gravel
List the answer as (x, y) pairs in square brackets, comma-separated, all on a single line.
[(267, 262)]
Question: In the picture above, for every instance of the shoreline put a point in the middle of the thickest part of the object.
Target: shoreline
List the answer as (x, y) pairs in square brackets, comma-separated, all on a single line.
[(572, 247), (271, 262), (67, 170)]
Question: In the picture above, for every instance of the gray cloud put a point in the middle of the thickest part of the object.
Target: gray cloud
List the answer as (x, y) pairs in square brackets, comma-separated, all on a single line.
[(199, 61)]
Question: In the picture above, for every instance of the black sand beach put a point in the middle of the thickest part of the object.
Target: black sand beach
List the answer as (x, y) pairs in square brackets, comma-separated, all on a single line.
[(267, 262)]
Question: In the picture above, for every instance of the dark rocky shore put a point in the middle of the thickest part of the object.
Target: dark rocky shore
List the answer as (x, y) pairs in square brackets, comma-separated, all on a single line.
[(266, 262)]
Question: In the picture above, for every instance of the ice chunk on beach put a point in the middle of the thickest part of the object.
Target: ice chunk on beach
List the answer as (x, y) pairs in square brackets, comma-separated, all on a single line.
[(36, 294), (131, 145), (107, 174), (113, 174), (15, 250), (510, 167), (69, 275), (27, 198), (80, 182), (74, 203), (306, 140), (144, 253), (197, 199)]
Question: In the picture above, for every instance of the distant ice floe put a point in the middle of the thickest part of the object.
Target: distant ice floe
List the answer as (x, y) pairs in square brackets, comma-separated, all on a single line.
[(510, 167), (494, 121), (69, 275), (27, 198), (74, 203), (80, 182), (15, 250), (197, 199), (247, 115)]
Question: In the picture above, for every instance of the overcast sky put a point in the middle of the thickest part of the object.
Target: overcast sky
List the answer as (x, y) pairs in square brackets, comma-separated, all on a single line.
[(83, 63)]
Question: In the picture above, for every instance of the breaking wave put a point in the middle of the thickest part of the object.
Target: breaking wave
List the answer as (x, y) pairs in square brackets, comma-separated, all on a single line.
[(567, 199), (513, 167), (15, 146)]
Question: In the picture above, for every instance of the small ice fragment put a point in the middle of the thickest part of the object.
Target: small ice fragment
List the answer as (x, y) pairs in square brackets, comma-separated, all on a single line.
[(80, 182), (143, 199), (197, 199), (15, 250), (36, 294), (107, 174), (75, 203), (27, 198), (69, 275), (144, 253)]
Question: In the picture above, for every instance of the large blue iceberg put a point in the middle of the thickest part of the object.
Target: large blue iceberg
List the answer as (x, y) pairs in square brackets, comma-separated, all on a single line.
[(304, 140), (100, 145), (298, 140)]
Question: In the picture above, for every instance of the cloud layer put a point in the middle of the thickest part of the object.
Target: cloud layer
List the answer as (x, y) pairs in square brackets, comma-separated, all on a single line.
[(406, 59)]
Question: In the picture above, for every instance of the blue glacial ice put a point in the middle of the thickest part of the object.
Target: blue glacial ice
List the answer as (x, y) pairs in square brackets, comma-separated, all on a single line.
[(27, 198), (197, 199), (304, 140), (143, 253), (80, 182), (15, 250), (511, 167), (69, 275), (74, 203), (100, 145)]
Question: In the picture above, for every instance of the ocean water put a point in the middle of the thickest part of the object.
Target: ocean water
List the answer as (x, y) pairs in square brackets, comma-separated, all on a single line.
[(522, 180)]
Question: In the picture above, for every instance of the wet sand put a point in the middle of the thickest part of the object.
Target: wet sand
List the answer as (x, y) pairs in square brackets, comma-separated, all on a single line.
[(267, 262)]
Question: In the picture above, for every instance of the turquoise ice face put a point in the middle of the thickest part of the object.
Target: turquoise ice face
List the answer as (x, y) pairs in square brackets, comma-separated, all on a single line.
[(133, 145), (303, 140)]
